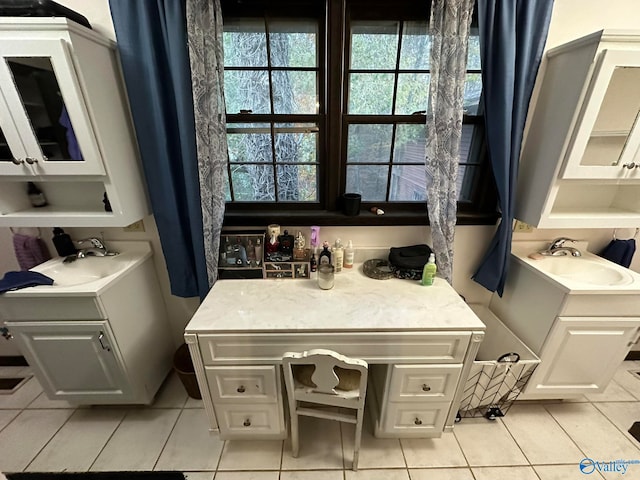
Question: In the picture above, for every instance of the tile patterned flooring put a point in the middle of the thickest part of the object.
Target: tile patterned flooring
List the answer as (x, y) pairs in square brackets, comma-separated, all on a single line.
[(534, 441)]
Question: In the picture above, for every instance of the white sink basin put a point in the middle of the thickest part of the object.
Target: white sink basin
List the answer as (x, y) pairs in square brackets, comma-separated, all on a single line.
[(82, 270), (588, 273), (89, 275), (584, 270)]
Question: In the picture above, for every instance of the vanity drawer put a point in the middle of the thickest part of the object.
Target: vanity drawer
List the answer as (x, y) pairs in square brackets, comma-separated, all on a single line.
[(237, 421), (373, 347), (414, 419), (416, 383), (242, 384), (51, 308)]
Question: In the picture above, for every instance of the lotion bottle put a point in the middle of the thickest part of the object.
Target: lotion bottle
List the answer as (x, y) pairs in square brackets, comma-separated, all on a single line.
[(338, 255), (429, 271), (349, 254)]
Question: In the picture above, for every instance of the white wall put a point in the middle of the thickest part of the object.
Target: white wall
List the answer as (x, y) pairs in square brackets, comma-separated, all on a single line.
[(571, 19)]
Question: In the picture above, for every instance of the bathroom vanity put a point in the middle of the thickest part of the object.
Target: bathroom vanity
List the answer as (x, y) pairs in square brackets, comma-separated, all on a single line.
[(419, 343), (99, 334), (581, 316)]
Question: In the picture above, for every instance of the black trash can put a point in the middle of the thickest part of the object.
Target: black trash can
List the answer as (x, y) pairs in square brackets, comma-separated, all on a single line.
[(183, 366)]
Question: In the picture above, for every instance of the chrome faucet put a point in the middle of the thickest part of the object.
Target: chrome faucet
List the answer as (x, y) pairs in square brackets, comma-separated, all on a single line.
[(93, 246), (557, 248)]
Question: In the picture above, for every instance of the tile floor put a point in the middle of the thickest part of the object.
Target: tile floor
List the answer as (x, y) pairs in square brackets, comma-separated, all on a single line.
[(535, 440)]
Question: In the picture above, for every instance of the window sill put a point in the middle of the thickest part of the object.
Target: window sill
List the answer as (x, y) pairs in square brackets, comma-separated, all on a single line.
[(393, 217)]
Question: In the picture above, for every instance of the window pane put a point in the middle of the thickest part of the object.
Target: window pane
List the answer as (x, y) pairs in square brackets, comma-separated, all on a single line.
[(410, 144), (416, 46), (473, 56), (369, 143), (297, 183), (294, 92), (374, 46), (408, 183), (296, 147), (293, 44), (247, 90), (370, 93), (472, 92), (245, 45), (249, 143), (465, 142), (466, 181), (413, 93), (253, 183), (368, 180)]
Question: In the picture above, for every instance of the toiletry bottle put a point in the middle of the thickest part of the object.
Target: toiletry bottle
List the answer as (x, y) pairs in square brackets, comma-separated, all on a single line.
[(313, 264), (258, 252), (349, 254), (338, 255), (429, 271), (36, 197), (63, 243), (325, 255)]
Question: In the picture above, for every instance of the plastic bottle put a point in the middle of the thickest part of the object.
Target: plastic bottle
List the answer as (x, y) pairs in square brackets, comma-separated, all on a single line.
[(429, 271), (313, 264), (338, 255), (349, 255), (63, 243)]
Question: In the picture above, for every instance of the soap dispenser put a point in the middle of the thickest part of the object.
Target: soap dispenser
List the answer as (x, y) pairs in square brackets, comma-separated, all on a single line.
[(63, 243)]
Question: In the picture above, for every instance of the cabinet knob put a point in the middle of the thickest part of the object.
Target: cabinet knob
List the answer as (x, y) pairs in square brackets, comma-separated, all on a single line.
[(247, 423), (417, 421), (630, 165), (426, 388), (31, 161), (17, 161), (240, 389)]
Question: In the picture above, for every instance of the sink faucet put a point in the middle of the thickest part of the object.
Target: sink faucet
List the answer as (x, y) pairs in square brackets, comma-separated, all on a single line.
[(93, 246), (557, 248)]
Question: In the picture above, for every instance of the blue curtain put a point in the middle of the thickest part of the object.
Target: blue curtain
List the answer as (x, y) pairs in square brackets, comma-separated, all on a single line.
[(512, 38), (152, 40)]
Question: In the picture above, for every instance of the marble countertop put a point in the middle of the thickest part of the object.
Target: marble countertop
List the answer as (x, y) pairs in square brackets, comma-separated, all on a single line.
[(356, 303)]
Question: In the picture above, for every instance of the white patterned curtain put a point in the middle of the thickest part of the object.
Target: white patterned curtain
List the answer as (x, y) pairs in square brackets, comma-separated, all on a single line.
[(449, 27), (204, 29)]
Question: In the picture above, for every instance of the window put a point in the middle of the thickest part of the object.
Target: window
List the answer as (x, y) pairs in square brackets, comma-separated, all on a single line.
[(311, 116)]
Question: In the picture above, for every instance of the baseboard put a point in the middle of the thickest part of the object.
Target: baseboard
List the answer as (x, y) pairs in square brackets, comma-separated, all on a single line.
[(17, 361), (633, 355)]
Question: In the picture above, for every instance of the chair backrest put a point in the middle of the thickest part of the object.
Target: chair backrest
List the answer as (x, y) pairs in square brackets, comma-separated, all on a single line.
[(333, 374)]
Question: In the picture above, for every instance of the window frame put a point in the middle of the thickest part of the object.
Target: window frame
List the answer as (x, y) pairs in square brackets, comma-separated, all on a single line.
[(333, 63)]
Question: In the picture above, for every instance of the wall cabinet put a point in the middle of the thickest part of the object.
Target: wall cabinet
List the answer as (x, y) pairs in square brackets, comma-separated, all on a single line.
[(65, 125), (580, 162), (581, 338), (107, 347)]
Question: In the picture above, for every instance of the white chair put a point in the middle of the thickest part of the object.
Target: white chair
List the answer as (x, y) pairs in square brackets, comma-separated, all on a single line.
[(325, 378)]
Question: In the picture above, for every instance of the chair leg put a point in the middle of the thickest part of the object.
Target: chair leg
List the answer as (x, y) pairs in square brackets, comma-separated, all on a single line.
[(356, 444), (294, 434)]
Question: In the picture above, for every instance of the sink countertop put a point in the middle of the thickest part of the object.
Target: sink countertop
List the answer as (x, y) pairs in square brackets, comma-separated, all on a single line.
[(355, 303), (522, 250), (131, 254)]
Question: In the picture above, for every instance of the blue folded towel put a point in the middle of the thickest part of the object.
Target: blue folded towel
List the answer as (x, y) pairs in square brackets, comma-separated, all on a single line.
[(23, 279), (620, 251)]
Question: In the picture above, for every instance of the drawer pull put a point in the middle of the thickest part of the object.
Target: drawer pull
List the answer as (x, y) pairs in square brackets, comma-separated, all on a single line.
[(240, 389), (247, 423), (426, 388), (417, 421)]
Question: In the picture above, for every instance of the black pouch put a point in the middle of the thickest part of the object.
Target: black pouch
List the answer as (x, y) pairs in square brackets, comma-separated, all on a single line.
[(413, 257)]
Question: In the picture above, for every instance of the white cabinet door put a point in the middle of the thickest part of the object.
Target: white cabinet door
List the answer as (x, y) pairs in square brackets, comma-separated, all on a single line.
[(46, 124), (581, 355), (75, 361), (606, 137)]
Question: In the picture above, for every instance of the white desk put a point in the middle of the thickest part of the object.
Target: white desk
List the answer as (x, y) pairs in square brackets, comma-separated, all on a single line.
[(419, 341)]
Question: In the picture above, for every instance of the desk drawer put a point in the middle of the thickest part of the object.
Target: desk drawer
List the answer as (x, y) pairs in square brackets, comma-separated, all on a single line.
[(416, 419), (237, 421), (243, 384), (416, 383), (374, 347)]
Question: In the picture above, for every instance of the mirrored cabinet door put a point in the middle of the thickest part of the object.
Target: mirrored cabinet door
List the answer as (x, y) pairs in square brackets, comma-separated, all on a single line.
[(606, 140), (45, 104)]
